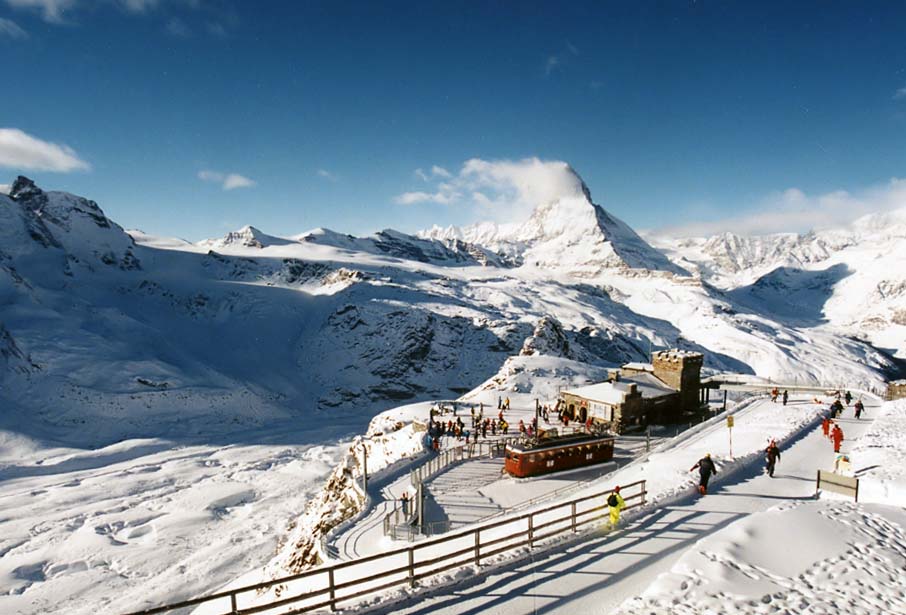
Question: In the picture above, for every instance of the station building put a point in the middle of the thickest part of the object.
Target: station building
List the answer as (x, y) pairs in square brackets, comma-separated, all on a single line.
[(640, 393)]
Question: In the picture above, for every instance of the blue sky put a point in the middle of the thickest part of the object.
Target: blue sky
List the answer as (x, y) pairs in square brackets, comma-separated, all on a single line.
[(320, 113)]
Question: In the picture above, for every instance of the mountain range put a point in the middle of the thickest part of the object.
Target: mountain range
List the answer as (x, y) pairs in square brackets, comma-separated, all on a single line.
[(134, 335)]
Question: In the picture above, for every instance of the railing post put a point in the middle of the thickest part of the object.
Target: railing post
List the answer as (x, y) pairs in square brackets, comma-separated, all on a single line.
[(477, 547), (531, 531), (644, 491), (333, 591), (573, 517), (411, 567), (233, 607)]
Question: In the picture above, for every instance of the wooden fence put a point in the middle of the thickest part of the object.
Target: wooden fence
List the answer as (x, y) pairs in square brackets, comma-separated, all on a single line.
[(329, 586)]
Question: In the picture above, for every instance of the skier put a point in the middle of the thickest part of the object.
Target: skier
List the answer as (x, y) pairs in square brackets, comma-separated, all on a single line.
[(848, 397), (772, 456), (786, 396), (706, 468), (616, 503), (837, 435), (860, 408), (774, 394), (499, 402)]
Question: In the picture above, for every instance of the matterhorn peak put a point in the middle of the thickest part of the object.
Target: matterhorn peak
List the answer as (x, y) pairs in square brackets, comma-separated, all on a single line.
[(566, 229), (23, 187)]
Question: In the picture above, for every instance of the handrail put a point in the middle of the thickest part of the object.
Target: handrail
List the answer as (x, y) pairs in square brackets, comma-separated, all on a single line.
[(523, 531)]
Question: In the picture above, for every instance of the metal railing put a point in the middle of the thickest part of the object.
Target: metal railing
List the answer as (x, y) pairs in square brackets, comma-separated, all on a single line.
[(347, 581), (485, 448)]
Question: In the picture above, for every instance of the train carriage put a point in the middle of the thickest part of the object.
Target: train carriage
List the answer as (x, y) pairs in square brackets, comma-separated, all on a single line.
[(546, 455)]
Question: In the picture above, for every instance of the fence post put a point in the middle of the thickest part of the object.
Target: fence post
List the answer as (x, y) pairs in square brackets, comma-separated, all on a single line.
[(573, 517), (531, 531), (333, 591), (411, 567), (233, 607), (477, 547)]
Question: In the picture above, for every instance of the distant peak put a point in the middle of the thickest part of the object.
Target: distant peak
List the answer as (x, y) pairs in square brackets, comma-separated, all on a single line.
[(23, 187)]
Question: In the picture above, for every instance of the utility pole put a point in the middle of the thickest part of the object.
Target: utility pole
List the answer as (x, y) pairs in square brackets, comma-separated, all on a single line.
[(421, 507)]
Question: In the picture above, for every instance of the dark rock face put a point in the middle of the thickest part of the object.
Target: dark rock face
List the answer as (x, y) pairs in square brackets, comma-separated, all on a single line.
[(11, 356), (24, 190), (548, 338)]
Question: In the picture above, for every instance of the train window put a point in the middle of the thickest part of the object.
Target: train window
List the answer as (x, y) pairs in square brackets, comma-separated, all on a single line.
[(533, 458)]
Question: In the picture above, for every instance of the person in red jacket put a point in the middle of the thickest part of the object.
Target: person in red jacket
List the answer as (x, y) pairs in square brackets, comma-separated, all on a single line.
[(825, 426), (837, 436)]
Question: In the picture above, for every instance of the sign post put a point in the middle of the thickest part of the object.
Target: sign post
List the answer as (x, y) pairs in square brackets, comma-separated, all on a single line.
[(730, 429)]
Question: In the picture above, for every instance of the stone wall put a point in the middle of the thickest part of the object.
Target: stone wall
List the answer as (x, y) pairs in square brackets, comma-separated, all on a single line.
[(680, 370), (896, 390)]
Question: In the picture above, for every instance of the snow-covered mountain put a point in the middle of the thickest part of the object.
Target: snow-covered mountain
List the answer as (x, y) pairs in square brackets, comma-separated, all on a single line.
[(568, 233), (850, 279), (247, 237), (142, 336)]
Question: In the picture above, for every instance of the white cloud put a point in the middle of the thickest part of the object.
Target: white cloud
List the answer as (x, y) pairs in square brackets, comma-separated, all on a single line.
[(228, 181), (435, 172), (900, 94), (234, 180), (331, 177), (5, 188), (551, 64), (500, 189), (51, 10), (10, 29), (795, 211), (19, 150), (412, 198)]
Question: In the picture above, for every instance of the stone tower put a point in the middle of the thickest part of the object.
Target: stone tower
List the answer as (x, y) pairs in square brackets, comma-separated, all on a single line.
[(680, 370)]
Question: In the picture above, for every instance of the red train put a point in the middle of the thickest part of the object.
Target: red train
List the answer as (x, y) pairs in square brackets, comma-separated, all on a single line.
[(547, 455)]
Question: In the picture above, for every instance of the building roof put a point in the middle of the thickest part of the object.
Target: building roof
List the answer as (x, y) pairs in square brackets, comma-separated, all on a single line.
[(650, 385), (603, 392), (614, 392), (640, 367)]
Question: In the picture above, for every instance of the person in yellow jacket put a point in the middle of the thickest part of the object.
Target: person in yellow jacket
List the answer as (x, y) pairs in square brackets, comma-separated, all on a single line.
[(616, 503)]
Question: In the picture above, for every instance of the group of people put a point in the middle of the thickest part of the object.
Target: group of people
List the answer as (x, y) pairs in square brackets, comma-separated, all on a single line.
[(775, 393)]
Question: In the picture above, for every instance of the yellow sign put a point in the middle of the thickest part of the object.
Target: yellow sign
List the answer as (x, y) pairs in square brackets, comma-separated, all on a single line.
[(730, 421)]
